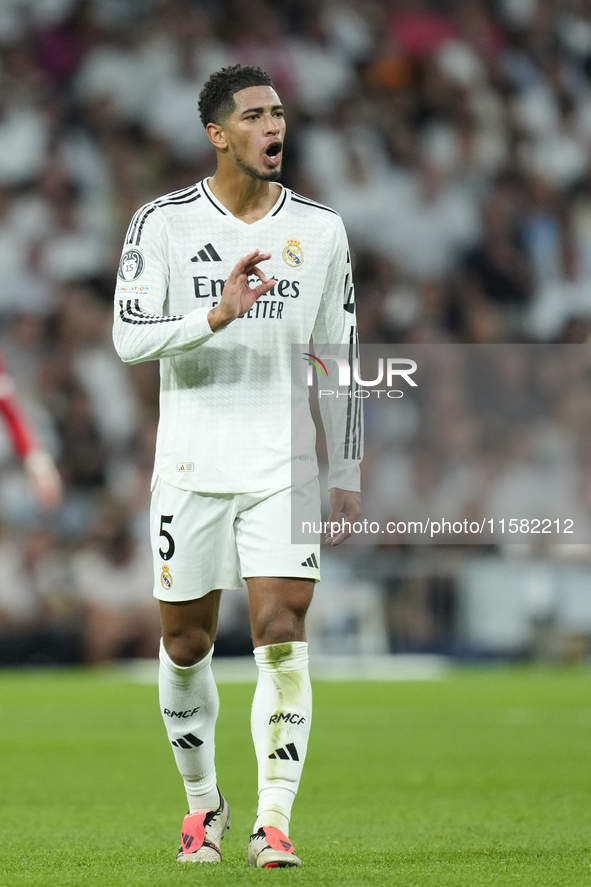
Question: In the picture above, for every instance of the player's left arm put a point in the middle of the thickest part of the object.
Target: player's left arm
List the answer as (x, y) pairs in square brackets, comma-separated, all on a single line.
[(342, 417)]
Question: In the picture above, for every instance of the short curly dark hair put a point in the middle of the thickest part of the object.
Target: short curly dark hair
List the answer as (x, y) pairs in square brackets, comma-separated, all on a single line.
[(216, 100)]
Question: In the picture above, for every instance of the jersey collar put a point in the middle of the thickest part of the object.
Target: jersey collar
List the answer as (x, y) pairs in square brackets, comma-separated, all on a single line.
[(274, 211)]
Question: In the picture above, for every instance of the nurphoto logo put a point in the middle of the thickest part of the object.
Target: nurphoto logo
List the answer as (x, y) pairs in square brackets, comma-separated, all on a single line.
[(389, 370)]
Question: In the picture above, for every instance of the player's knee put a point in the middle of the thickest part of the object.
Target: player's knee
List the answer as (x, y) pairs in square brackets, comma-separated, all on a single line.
[(279, 627), (188, 646)]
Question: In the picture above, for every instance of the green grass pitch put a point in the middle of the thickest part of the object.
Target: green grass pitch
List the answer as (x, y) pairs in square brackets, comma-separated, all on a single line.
[(480, 779)]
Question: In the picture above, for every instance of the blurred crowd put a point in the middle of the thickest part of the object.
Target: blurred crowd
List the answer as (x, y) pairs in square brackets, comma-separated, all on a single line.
[(453, 136), (491, 435)]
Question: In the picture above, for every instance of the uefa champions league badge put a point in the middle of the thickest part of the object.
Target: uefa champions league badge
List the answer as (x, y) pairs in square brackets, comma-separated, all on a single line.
[(131, 265), (166, 578), (293, 254)]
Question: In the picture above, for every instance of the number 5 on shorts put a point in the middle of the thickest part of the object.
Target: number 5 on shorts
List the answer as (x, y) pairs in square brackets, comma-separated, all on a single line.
[(166, 555)]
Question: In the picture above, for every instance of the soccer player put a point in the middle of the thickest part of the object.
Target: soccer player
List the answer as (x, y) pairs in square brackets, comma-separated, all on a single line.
[(222, 480)]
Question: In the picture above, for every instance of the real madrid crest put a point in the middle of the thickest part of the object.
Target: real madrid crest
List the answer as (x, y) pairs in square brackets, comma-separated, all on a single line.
[(166, 578), (293, 254)]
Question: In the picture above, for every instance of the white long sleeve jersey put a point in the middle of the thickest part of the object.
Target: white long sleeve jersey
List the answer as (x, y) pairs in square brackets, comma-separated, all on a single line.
[(225, 397)]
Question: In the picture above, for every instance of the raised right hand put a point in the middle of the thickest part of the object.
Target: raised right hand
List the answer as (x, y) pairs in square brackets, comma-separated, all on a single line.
[(237, 296)]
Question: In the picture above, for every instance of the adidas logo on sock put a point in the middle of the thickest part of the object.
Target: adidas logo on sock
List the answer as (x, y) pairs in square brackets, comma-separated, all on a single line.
[(187, 741), (283, 753), (310, 561), (207, 254)]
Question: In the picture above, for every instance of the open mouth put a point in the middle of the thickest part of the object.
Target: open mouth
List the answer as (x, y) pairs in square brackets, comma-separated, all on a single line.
[(273, 152)]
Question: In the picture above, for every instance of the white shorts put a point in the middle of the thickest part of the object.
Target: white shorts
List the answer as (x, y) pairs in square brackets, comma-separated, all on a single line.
[(206, 541)]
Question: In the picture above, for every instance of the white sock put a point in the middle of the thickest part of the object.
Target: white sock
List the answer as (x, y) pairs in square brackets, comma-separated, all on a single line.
[(280, 723), (189, 703)]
